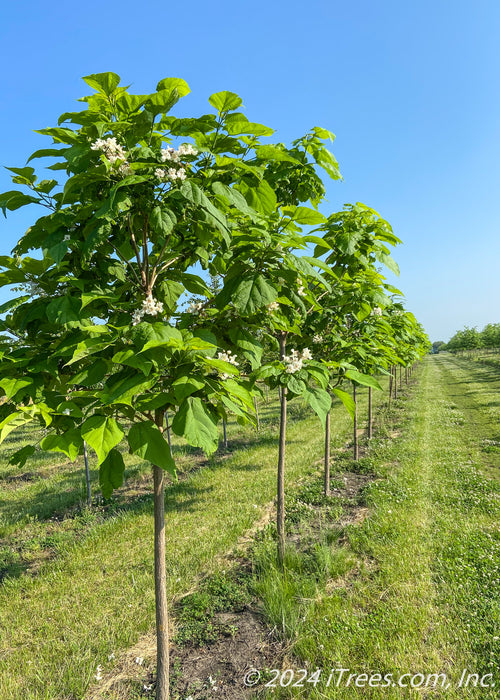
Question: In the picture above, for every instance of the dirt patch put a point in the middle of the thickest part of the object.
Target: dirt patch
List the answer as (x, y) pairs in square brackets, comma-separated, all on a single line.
[(216, 670), (220, 667)]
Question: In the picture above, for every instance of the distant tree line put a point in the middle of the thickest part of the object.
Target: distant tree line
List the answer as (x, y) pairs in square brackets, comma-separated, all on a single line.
[(469, 339)]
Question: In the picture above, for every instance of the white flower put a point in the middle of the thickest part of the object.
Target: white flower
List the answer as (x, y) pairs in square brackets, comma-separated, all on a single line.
[(160, 173), (66, 238), (111, 656), (187, 149), (273, 306), (139, 660), (98, 675), (293, 362), (376, 311), (169, 154), (149, 306), (306, 354), (147, 688), (194, 308), (318, 339), (227, 357), (66, 411), (301, 289)]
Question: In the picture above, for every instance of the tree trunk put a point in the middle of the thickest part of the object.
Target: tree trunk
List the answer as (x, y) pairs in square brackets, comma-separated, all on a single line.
[(225, 433), (280, 521), (390, 387), (87, 474), (370, 414), (256, 412), (168, 431), (162, 650), (327, 455), (406, 375), (356, 449), (400, 377), (395, 382), (161, 604)]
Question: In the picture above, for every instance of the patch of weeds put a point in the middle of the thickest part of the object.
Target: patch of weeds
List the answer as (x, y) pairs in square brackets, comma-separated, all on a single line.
[(196, 617)]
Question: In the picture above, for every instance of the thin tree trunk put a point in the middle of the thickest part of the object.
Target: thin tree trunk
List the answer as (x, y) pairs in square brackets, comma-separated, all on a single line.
[(390, 387), (87, 474), (280, 521), (406, 375), (162, 643), (267, 394), (225, 433), (395, 382), (168, 431), (356, 449), (370, 414), (327, 455), (256, 412), (400, 377)]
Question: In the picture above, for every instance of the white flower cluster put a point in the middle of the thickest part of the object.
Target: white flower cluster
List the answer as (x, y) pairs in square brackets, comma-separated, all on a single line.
[(376, 311), (98, 675), (149, 306), (301, 291), (227, 357), (114, 153), (185, 149), (317, 338), (195, 308), (170, 174), (273, 306), (294, 361)]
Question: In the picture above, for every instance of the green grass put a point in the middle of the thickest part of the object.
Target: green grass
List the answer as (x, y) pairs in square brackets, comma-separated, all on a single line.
[(414, 589), (94, 596)]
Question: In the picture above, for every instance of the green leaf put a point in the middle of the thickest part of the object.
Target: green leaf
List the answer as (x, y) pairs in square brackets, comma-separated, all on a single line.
[(162, 102), (12, 422), (238, 123), (123, 390), (212, 215), (261, 198), (132, 359), (304, 215), (102, 433), (346, 399), (225, 101), (14, 200), (236, 199), (178, 84), (169, 292), (249, 293), (12, 386), (105, 83), (162, 221), (270, 152), (185, 386), (20, 457), (111, 473), (146, 440), (194, 422), (68, 443), (63, 310), (363, 379), (319, 400), (251, 348)]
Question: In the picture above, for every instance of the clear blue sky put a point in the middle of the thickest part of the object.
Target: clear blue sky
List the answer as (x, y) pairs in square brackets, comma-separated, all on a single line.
[(411, 89)]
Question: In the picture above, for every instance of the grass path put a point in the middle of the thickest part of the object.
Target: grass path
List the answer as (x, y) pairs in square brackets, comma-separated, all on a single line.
[(96, 597), (424, 597)]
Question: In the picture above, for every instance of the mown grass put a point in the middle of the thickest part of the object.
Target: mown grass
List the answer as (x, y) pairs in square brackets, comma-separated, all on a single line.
[(414, 589), (95, 596)]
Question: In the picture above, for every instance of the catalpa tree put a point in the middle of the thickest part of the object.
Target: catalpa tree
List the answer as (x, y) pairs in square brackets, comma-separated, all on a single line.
[(96, 346)]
